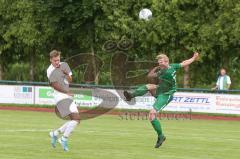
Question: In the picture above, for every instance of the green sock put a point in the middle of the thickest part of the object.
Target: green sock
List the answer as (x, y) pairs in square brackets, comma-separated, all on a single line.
[(157, 126), (140, 91)]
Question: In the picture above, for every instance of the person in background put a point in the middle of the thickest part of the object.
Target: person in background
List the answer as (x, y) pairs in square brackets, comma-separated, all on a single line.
[(223, 81)]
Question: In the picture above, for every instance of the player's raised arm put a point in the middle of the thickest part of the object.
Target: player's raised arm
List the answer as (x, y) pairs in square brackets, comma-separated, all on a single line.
[(189, 61)]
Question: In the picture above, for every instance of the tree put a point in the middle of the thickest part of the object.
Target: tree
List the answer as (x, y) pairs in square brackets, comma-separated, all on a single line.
[(31, 28), (27, 28)]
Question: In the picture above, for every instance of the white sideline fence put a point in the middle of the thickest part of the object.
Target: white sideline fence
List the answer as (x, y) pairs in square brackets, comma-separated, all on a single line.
[(90, 97)]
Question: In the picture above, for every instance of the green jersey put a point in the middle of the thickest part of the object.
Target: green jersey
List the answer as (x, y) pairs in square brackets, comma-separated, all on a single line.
[(167, 79)]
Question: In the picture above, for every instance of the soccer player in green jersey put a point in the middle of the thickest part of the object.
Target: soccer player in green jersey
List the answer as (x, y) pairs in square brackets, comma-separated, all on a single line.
[(163, 90)]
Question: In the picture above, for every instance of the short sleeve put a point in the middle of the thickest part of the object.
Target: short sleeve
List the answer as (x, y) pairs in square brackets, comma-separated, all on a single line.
[(65, 67), (228, 80), (176, 66), (53, 77)]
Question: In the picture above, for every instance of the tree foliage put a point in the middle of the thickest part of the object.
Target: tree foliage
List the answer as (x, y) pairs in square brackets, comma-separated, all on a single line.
[(31, 28)]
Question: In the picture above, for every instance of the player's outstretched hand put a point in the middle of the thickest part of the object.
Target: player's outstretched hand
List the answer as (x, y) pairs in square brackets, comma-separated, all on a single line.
[(195, 55)]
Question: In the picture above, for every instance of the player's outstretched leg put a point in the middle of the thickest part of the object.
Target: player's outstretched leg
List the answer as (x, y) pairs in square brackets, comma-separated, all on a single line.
[(140, 91), (161, 101), (53, 139), (75, 120), (157, 127), (54, 134), (64, 139)]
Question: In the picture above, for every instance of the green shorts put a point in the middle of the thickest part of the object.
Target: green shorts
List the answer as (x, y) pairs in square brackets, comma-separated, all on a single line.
[(162, 101)]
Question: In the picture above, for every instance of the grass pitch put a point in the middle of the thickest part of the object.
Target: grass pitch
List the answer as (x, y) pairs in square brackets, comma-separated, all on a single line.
[(24, 135)]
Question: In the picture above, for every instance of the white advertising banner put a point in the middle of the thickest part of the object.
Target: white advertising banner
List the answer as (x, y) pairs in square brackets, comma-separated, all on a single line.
[(44, 95), (205, 102), (197, 102), (182, 101), (227, 104), (16, 94)]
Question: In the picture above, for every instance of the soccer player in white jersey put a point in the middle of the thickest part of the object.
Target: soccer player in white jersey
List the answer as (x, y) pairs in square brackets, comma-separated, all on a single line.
[(60, 75)]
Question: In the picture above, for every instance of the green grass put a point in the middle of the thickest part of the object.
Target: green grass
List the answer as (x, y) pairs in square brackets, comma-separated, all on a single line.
[(24, 135)]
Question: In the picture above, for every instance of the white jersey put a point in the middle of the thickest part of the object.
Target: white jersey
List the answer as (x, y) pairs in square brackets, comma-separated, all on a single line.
[(57, 75)]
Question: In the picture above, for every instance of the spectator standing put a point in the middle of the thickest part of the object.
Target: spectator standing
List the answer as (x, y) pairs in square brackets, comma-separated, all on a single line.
[(223, 81)]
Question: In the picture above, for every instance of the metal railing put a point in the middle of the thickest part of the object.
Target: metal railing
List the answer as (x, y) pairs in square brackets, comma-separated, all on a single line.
[(203, 90)]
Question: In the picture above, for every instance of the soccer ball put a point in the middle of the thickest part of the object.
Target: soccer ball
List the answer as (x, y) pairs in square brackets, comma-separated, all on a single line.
[(145, 14)]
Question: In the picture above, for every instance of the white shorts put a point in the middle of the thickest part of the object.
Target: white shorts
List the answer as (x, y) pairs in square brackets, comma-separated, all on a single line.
[(73, 108), (66, 107)]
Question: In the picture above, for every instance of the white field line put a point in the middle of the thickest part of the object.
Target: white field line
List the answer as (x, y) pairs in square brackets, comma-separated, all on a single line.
[(171, 135)]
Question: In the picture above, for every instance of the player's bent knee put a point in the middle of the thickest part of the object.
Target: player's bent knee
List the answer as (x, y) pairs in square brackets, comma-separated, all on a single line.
[(152, 114), (153, 92), (151, 86), (77, 120), (75, 116), (148, 86)]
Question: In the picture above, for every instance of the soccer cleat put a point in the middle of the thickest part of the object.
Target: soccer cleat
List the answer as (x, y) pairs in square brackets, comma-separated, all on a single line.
[(160, 140), (64, 143), (53, 139), (127, 95)]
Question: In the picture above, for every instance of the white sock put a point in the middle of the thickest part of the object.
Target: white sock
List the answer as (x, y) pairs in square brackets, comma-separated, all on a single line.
[(61, 129), (64, 138), (70, 127)]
